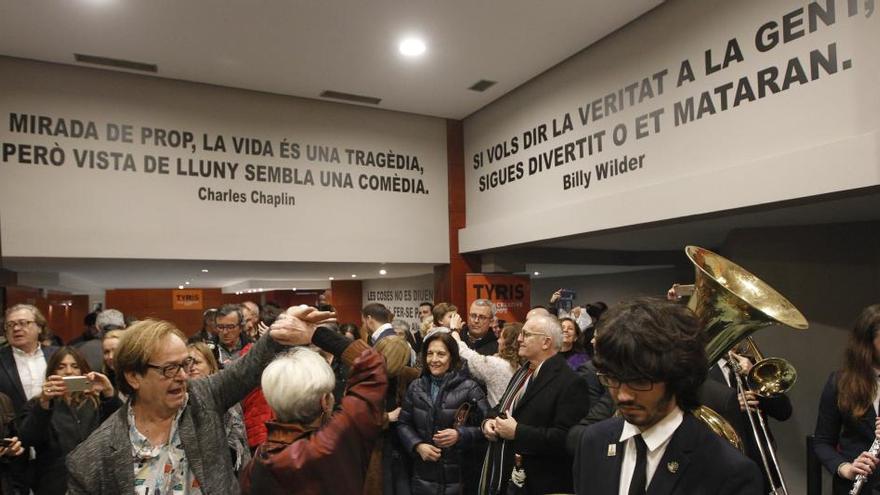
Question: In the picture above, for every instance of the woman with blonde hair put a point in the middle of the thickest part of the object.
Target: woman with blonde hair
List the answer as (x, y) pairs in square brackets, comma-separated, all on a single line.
[(494, 371)]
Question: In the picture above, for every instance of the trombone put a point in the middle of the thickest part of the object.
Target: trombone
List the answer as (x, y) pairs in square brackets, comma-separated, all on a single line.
[(769, 377)]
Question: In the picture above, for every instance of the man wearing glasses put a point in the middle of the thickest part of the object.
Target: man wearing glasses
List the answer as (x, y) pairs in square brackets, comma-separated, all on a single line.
[(542, 401), (478, 332), (650, 356), (24, 362), (24, 370)]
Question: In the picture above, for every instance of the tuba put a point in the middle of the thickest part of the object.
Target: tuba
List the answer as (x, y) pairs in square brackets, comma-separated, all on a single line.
[(732, 304)]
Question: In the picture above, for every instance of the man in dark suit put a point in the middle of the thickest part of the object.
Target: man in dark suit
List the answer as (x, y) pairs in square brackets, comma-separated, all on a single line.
[(650, 355), (376, 319), (542, 401), (23, 372)]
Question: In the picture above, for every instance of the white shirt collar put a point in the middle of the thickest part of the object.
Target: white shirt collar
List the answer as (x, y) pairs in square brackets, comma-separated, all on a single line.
[(21, 353), (379, 330), (658, 434)]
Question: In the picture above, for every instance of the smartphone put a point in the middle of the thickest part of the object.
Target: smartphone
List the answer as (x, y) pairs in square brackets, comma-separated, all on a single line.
[(77, 383)]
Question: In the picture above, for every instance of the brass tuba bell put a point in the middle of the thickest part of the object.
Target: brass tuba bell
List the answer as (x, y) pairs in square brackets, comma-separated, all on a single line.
[(732, 303)]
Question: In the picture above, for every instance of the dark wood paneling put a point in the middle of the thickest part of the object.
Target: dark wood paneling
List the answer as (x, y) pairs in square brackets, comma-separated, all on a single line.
[(347, 297), (64, 312)]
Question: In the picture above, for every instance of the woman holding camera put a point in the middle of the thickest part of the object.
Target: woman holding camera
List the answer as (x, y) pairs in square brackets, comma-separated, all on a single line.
[(63, 415)]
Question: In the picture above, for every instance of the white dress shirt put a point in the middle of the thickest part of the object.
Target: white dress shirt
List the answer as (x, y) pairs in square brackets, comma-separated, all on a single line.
[(656, 438), (31, 370)]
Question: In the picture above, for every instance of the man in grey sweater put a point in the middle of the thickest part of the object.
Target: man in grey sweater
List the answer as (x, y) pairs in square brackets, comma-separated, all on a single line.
[(170, 436)]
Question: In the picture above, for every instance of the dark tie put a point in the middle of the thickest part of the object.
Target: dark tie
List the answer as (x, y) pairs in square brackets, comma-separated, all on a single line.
[(640, 475)]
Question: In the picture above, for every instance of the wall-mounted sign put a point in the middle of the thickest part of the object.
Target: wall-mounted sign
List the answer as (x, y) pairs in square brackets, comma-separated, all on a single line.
[(187, 299), (510, 293)]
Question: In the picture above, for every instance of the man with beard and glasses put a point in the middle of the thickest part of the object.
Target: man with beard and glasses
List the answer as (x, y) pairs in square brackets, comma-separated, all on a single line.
[(650, 354)]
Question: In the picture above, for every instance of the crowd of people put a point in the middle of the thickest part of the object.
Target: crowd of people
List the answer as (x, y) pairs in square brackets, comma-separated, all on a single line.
[(587, 400)]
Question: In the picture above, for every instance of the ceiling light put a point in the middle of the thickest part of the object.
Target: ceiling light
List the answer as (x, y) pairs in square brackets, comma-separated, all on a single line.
[(260, 289), (383, 272), (180, 287), (331, 278), (186, 283), (293, 289), (412, 47), (354, 275), (537, 273), (204, 270)]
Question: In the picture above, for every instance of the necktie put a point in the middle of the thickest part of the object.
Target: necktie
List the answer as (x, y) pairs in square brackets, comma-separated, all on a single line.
[(640, 475)]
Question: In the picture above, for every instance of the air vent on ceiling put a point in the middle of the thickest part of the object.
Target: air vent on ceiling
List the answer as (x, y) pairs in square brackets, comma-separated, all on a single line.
[(115, 63), (482, 85), (336, 95)]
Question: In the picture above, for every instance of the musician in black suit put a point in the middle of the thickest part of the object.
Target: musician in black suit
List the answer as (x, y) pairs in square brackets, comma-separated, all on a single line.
[(650, 355), (847, 422), (542, 401)]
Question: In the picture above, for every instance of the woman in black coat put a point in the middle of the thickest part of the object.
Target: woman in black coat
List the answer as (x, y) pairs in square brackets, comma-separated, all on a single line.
[(57, 420), (847, 423), (439, 419)]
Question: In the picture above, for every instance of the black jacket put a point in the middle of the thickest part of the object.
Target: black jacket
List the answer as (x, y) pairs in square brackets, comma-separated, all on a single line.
[(696, 462), (839, 438), (55, 432), (486, 346), (420, 418), (10, 382), (552, 403)]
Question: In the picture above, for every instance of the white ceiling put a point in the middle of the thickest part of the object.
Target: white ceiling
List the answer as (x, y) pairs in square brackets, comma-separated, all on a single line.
[(302, 48)]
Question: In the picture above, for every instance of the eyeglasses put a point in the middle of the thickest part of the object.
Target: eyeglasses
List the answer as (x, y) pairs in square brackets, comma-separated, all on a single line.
[(171, 370), (227, 327), (18, 323), (477, 317), (637, 384), (526, 334)]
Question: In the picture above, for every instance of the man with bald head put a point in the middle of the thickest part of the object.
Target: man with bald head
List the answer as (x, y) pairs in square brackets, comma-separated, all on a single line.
[(542, 401)]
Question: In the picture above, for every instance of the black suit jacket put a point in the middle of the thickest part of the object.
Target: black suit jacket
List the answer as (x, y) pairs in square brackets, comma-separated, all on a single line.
[(703, 463), (10, 382), (554, 401)]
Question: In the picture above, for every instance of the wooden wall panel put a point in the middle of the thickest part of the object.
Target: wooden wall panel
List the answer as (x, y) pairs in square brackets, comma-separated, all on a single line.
[(347, 297), (449, 280)]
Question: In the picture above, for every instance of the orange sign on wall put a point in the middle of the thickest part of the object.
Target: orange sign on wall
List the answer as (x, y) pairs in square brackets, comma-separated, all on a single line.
[(510, 293), (187, 299)]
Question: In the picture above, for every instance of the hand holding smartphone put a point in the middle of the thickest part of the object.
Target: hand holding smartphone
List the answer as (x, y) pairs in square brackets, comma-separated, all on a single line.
[(77, 383)]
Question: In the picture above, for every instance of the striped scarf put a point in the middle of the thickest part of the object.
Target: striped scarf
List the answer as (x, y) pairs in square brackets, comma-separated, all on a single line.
[(499, 462)]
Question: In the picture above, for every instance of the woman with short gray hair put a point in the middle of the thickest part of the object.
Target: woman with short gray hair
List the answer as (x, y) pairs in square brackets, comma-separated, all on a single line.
[(309, 449)]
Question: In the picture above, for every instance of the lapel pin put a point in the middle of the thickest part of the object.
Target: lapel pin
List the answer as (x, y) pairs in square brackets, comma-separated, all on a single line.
[(672, 466), (612, 449)]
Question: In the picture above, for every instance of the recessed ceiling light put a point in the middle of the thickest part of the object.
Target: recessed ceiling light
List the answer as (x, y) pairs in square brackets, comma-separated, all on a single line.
[(186, 283), (354, 275), (330, 278), (293, 289), (180, 287), (383, 272), (204, 270), (537, 273), (412, 47), (260, 289)]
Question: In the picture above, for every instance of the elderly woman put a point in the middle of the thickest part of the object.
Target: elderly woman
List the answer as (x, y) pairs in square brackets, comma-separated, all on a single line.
[(311, 450), (57, 420), (204, 364), (438, 420), (169, 436)]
